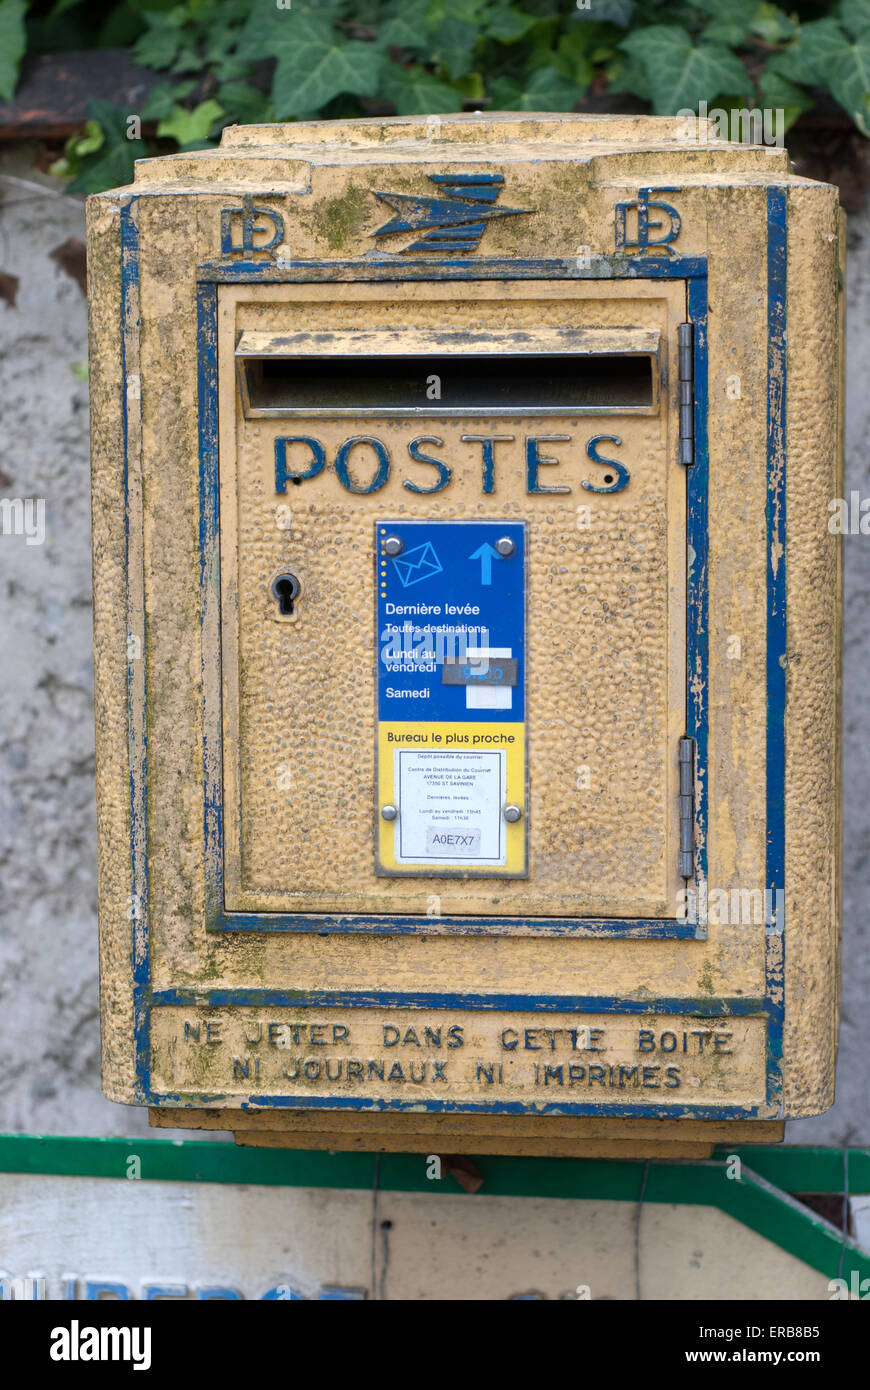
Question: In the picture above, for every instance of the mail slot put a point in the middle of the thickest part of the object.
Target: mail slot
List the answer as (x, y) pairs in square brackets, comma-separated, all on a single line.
[(467, 636), (283, 376)]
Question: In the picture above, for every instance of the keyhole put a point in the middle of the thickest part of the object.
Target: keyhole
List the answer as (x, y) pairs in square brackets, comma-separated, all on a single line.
[(286, 590)]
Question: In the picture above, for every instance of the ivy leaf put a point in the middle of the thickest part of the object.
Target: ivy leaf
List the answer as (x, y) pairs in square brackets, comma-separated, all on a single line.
[(825, 55), (616, 12), (188, 58), (681, 73), (243, 104), (112, 165), (471, 87), (407, 29), (804, 60), (730, 27), (542, 39), (777, 90), (77, 148), (315, 65), (505, 94), (453, 45), (270, 32), (92, 140), (231, 69), (223, 31), (545, 90), (846, 68), (159, 45), (855, 15), (625, 74), (573, 59), (415, 92), (773, 25), (741, 12), (189, 126), (470, 10), (725, 30), (13, 41), (163, 97), (508, 24)]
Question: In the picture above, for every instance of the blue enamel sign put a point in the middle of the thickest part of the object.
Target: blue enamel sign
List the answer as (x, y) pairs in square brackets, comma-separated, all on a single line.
[(451, 620)]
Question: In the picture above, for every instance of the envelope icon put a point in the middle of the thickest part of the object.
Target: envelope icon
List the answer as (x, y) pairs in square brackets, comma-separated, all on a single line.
[(419, 563)]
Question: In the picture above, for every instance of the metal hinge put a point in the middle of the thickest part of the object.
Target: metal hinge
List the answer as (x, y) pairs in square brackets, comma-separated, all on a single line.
[(687, 808), (686, 375)]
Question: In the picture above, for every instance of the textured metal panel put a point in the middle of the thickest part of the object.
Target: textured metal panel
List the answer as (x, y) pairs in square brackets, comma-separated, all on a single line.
[(606, 634), (111, 650), (811, 657)]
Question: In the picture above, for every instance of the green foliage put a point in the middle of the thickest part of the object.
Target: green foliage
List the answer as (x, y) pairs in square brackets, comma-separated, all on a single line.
[(545, 90), (226, 61), (679, 72), (828, 54), (191, 129), (416, 92), (315, 62), (105, 156), (13, 41)]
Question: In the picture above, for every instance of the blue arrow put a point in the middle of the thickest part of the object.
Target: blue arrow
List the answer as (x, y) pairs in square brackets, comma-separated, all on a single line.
[(485, 553)]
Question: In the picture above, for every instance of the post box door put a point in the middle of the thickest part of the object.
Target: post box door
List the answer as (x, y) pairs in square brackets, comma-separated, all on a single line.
[(453, 602)]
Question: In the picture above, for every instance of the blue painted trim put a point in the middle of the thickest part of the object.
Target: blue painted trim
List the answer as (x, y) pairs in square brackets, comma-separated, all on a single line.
[(777, 266), (322, 924), (480, 268), (472, 179), (209, 578), (738, 1006), (675, 1111), (137, 734), (697, 579)]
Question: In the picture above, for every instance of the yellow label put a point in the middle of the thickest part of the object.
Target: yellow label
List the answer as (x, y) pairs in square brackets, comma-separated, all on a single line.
[(450, 785)]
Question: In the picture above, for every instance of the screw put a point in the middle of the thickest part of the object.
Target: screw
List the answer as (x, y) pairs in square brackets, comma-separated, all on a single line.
[(512, 813), (505, 546), (389, 812), (393, 546)]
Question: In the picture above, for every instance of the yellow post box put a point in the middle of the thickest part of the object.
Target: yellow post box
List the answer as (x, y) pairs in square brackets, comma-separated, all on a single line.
[(467, 635)]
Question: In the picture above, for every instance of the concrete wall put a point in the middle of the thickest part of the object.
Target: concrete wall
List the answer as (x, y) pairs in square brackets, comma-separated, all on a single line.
[(49, 1080)]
